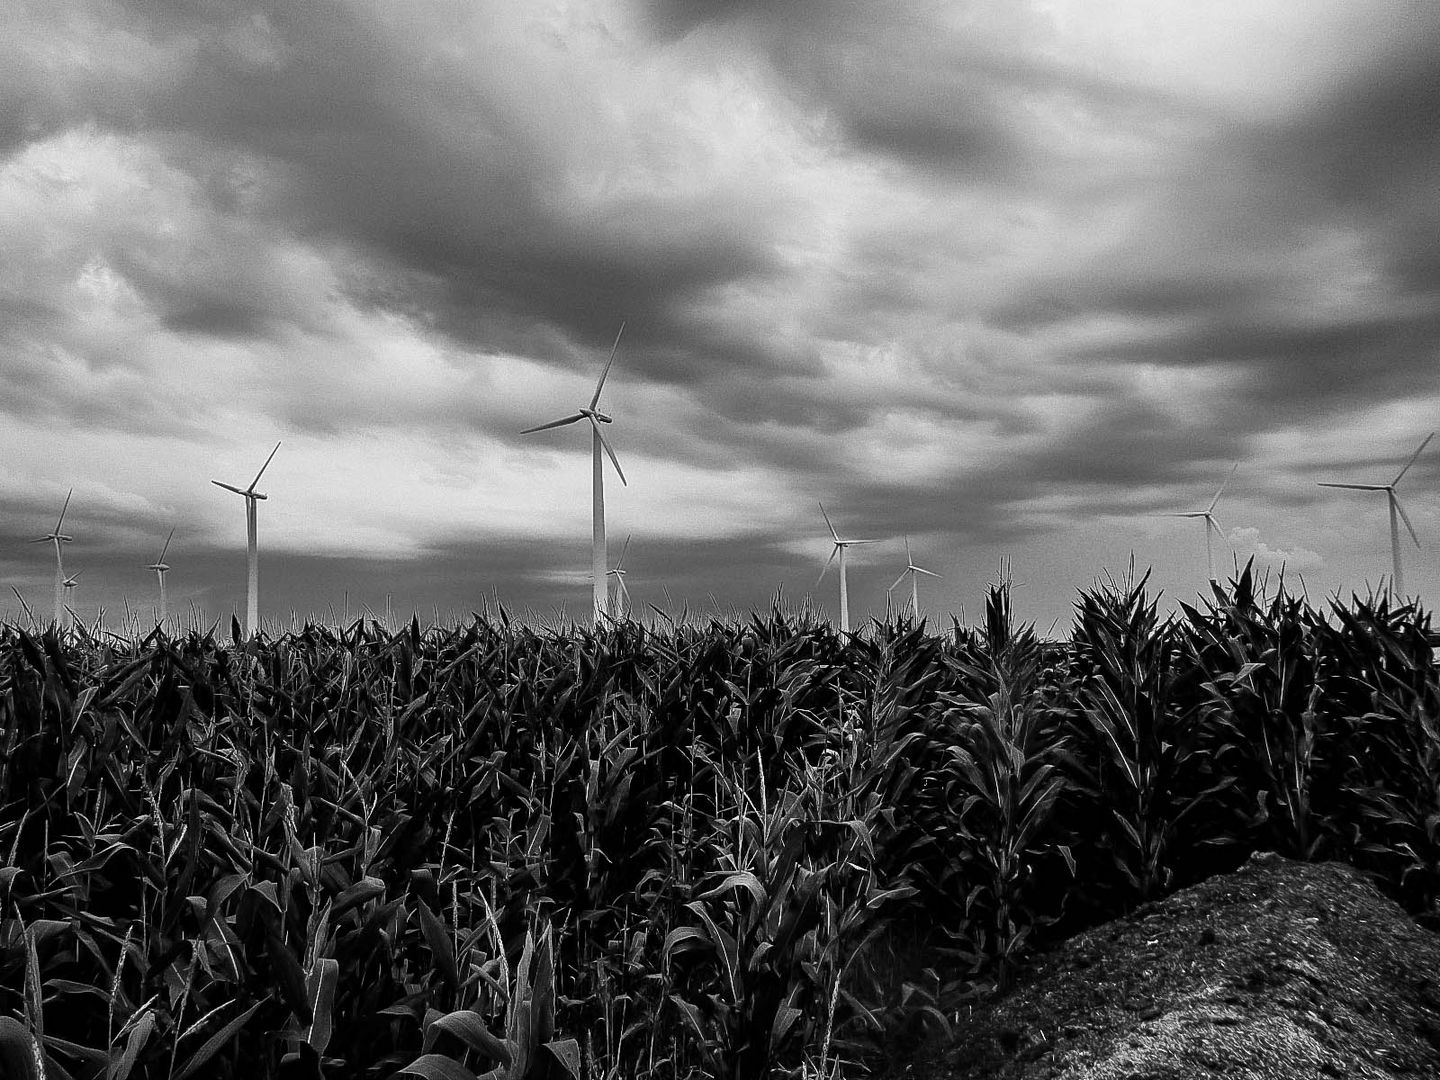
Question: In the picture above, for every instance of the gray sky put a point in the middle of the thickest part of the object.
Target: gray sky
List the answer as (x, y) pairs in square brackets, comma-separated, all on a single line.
[(1012, 277)]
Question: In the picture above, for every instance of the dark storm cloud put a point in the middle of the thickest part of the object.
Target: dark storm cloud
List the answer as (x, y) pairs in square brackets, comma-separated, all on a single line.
[(1372, 152), (900, 83), (675, 18), (1346, 364), (1377, 137), (367, 133), (1309, 330)]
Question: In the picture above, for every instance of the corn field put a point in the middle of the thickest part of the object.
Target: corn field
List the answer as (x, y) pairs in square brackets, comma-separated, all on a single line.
[(742, 849)]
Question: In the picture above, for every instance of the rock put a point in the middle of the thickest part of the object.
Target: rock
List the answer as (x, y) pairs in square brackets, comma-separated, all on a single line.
[(1279, 970)]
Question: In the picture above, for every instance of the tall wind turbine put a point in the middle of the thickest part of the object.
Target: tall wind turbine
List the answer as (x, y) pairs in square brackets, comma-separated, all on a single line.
[(913, 571), (1212, 527), (622, 593), (56, 537), (160, 568), (839, 548), (1397, 580), (252, 588), (592, 413)]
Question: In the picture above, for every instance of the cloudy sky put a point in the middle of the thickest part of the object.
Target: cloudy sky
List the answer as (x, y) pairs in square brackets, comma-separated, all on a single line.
[(1011, 277)]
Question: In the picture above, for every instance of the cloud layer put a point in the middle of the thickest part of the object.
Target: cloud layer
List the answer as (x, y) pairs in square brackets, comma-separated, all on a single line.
[(1010, 278)]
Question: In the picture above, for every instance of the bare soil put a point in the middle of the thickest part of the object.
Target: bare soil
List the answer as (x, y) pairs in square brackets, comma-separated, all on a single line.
[(1281, 969)]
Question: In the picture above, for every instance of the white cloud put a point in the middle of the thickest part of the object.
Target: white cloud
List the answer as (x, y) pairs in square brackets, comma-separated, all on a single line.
[(1248, 545)]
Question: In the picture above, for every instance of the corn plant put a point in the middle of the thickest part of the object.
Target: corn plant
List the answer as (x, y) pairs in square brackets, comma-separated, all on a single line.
[(654, 852), (1003, 790), (1262, 679), (1137, 767)]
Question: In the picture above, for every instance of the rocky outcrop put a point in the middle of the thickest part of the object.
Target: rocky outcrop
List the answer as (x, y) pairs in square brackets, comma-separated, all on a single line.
[(1279, 970)]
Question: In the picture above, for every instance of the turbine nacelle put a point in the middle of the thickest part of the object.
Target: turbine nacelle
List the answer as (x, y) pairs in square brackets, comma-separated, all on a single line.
[(910, 568), (159, 564), (839, 545), (238, 491), (249, 492), (55, 534), (1211, 522)]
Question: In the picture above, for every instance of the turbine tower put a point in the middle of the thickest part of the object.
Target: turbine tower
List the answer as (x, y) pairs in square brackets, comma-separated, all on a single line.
[(839, 548), (913, 571), (621, 603), (252, 587), (160, 568), (1397, 514), (1211, 525), (592, 413), (56, 537)]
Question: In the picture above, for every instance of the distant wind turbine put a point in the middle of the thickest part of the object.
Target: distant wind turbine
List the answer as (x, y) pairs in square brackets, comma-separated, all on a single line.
[(622, 593), (839, 548), (1211, 525), (56, 537), (913, 571), (252, 588), (70, 583), (160, 568), (1397, 580), (592, 413)]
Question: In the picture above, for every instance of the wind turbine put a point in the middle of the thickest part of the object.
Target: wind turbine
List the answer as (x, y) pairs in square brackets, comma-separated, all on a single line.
[(70, 583), (1397, 580), (1211, 525), (913, 571), (592, 413), (56, 537), (839, 548), (159, 567), (252, 589), (622, 593)]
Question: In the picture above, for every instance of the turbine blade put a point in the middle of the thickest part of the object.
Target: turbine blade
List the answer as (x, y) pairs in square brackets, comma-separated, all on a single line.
[(263, 468), (613, 459), (863, 541), (166, 548), (1356, 487), (898, 580), (595, 401), (1216, 499), (833, 552), (555, 423), (1405, 518), (927, 573), (63, 509), (623, 549), (909, 559), (230, 487), (1413, 456), (1213, 524), (833, 533), (1187, 514)]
